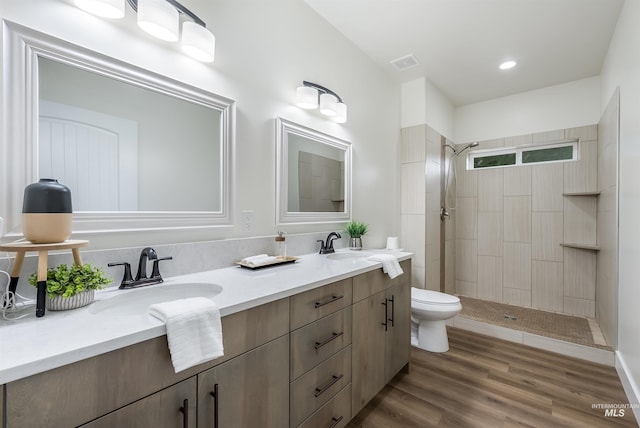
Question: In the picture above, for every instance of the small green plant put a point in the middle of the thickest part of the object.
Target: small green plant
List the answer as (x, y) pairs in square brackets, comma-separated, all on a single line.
[(355, 229), (67, 282)]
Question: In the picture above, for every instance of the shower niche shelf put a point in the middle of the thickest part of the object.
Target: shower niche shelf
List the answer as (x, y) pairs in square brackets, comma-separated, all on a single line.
[(581, 194), (580, 246)]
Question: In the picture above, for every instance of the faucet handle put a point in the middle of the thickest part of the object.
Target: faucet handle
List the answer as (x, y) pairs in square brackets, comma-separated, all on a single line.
[(155, 271), (321, 245), (127, 278)]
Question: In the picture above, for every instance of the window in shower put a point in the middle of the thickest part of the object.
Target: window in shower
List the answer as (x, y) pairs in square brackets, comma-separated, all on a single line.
[(514, 156)]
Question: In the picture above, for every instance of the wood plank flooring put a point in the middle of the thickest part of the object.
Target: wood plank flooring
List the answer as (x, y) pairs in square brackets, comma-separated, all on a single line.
[(487, 382)]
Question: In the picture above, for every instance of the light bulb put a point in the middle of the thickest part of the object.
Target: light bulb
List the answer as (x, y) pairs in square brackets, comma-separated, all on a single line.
[(198, 42), (328, 104), (159, 18), (306, 97)]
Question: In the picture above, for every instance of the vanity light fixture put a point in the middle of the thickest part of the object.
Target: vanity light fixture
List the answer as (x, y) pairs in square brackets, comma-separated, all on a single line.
[(311, 95), (161, 19)]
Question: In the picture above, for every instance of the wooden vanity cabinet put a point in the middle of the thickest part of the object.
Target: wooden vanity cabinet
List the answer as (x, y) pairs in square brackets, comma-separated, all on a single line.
[(251, 390), (381, 331), (172, 407), (80, 392), (312, 359)]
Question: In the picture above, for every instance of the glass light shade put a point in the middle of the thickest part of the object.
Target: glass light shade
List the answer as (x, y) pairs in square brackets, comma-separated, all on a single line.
[(328, 104), (113, 9), (306, 97), (198, 42), (159, 18), (341, 113)]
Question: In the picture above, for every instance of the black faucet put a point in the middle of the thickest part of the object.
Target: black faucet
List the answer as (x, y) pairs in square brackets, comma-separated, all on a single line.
[(327, 248), (146, 254), (141, 279)]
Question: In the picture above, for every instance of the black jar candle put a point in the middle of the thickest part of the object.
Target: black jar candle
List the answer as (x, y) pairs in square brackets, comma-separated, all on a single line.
[(46, 212)]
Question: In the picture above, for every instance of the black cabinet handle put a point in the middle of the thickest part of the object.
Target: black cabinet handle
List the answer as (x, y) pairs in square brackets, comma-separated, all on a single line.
[(185, 413), (322, 390), (215, 396), (333, 336), (393, 310), (331, 300), (385, 323), (335, 421)]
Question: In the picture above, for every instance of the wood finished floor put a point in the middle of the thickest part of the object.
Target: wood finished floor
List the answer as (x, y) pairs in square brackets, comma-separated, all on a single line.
[(487, 382)]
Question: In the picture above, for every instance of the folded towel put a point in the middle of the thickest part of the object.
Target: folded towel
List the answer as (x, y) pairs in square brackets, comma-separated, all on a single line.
[(390, 264), (194, 330), (259, 260)]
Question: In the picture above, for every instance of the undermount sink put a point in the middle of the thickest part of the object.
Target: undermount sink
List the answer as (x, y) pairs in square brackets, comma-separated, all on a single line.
[(136, 302), (347, 256)]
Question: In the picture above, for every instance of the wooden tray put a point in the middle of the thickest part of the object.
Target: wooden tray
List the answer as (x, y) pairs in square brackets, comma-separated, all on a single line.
[(280, 261)]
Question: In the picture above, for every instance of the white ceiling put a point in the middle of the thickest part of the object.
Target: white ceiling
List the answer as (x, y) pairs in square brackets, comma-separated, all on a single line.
[(460, 43)]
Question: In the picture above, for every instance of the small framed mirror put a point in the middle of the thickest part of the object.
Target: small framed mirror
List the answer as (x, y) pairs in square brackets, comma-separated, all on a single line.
[(313, 175)]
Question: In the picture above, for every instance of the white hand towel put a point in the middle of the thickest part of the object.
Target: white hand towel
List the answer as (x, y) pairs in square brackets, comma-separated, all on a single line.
[(259, 260), (390, 264), (194, 330)]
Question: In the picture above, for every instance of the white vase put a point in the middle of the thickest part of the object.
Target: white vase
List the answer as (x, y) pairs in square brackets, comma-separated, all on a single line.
[(60, 303)]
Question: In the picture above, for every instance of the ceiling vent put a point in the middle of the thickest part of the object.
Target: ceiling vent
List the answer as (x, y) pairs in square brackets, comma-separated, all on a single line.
[(405, 62)]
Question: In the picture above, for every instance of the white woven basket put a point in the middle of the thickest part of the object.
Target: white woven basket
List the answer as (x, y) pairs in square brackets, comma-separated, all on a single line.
[(60, 303)]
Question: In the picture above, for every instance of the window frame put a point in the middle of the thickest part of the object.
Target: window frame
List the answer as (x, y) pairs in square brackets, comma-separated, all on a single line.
[(518, 151)]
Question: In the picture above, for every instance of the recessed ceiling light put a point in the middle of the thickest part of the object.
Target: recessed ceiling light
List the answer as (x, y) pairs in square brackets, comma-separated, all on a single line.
[(507, 65)]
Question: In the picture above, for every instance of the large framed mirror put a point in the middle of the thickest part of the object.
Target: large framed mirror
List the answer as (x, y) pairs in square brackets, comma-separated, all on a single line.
[(313, 175), (138, 150)]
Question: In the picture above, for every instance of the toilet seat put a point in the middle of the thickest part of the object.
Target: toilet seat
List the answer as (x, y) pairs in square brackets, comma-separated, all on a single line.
[(433, 297)]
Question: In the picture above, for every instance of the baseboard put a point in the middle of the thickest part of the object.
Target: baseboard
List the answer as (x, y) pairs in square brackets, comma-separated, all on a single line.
[(630, 387)]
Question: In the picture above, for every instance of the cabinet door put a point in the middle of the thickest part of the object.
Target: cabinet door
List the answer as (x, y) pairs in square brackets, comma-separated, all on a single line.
[(172, 407), (251, 390), (368, 349), (398, 338)]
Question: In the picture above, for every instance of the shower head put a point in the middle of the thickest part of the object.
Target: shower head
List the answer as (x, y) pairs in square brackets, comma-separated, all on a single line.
[(468, 146)]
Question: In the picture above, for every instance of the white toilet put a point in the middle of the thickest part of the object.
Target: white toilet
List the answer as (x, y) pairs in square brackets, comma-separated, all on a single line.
[(429, 311)]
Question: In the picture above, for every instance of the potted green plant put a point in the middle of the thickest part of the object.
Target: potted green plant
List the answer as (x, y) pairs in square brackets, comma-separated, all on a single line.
[(355, 229), (69, 288)]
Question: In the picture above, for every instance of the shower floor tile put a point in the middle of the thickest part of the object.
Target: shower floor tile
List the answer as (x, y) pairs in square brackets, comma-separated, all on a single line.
[(572, 329)]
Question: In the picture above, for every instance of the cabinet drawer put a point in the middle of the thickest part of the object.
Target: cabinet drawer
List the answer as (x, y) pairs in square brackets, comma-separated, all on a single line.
[(249, 329), (319, 302), (165, 408), (318, 386), (369, 283), (335, 414), (314, 343)]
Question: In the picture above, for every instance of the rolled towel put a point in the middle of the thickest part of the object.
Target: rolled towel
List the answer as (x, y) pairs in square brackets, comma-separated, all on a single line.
[(390, 264), (194, 330), (259, 260)]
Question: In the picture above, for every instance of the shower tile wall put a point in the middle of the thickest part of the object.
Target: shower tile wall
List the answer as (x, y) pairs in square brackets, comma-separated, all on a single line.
[(420, 149), (509, 224), (607, 225)]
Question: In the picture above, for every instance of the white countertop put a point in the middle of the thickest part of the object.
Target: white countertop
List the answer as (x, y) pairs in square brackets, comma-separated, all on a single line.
[(33, 345)]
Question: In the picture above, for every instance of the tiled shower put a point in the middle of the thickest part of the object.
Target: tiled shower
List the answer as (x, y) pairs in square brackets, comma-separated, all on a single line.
[(541, 236)]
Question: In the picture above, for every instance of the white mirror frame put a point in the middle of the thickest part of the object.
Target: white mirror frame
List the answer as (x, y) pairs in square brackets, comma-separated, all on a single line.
[(19, 162), (283, 129)]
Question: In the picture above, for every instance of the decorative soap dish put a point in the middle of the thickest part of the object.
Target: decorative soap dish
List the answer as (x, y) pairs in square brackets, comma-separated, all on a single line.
[(280, 260)]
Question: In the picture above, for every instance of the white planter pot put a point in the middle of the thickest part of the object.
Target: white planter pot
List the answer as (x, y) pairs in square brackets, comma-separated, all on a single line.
[(60, 303)]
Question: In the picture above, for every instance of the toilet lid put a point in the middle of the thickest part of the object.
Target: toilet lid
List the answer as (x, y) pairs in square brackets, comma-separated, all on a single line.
[(429, 296)]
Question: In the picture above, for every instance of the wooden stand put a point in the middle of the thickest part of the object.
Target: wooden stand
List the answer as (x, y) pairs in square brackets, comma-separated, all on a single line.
[(21, 248)]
